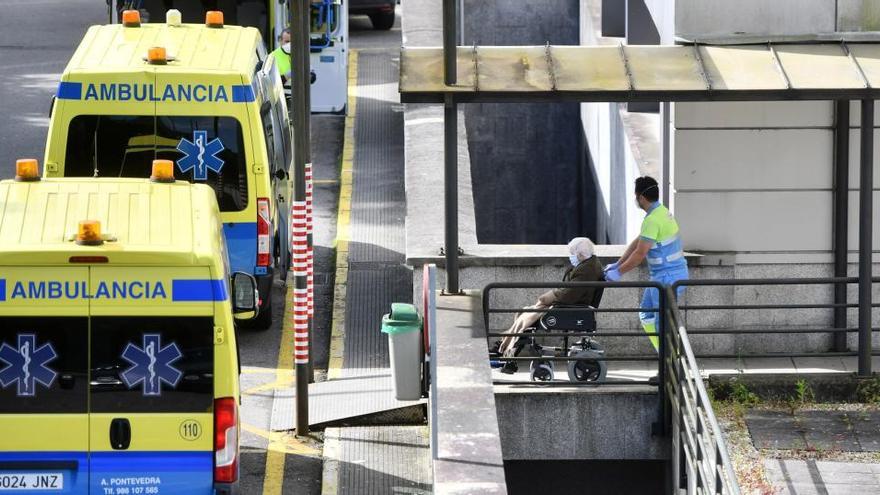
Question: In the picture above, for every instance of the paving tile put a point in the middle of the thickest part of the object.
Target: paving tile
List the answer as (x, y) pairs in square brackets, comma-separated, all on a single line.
[(819, 365)]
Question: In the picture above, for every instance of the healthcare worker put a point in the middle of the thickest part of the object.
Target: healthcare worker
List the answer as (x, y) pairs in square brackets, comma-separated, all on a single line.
[(282, 55), (660, 243)]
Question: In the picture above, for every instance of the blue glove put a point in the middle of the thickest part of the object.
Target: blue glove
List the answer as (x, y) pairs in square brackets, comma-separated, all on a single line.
[(612, 275), (612, 266)]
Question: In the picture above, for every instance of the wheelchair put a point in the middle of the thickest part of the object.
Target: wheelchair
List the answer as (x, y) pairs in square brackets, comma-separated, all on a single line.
[(587, 365)]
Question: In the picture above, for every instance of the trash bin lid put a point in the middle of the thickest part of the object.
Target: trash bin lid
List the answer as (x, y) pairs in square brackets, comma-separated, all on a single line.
[(403, 318)]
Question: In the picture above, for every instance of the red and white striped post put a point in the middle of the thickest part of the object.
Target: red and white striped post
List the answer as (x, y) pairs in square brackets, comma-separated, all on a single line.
[(310, 268), (299, 249)]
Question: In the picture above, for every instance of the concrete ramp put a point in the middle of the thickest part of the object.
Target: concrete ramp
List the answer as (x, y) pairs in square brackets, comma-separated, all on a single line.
[(365, 399)]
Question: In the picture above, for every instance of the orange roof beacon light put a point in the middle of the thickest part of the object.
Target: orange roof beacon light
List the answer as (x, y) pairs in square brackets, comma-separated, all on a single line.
[(89, 233), (131, 18), (27, 170), (157, 56), (163, 171), (214, 19)]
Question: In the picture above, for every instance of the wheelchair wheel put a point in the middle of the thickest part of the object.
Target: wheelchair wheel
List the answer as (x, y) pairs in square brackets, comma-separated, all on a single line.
[(541, 371), (587, 368)]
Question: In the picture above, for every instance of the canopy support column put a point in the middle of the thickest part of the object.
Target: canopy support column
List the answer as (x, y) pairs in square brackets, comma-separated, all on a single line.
[(450, 186), (841, 216), (450, 71), (866, 183)]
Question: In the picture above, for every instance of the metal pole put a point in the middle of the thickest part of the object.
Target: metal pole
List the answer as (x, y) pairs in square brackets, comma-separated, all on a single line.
[(113, 12), (449, 56), (661, 361), (841, 216), (665, 110), (450, 184), (307, 151), (866, 183), (299, 61)]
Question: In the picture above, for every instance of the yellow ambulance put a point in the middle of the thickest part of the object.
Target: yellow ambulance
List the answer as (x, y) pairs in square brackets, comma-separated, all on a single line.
[(118, 359), (205, 96)]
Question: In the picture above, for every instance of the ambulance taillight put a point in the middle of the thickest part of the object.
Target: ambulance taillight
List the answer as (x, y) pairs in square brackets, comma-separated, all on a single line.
[(214, 19), (225, 440), (27, 170), (264, 239), (131, 18)]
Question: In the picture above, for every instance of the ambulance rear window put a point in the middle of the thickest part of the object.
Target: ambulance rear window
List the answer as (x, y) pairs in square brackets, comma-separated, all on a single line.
[(43, 365), (206, 149)]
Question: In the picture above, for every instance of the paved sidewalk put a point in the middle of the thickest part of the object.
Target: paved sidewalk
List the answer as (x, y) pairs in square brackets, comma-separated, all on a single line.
[(810, 477)]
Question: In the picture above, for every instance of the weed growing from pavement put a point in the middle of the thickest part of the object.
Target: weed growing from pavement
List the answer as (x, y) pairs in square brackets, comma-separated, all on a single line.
[(868, 391), (804, 392)]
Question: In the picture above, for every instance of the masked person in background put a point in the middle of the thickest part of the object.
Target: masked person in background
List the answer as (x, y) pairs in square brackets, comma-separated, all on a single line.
[(585, 267), (660, 243), (282, 56)]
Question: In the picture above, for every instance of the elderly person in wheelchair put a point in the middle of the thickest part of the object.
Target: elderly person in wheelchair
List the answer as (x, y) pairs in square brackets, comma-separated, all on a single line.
[(585, 267)]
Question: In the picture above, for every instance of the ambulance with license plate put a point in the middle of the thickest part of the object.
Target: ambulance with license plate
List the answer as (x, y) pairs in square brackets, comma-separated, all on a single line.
[(118, 361), (205, 96)]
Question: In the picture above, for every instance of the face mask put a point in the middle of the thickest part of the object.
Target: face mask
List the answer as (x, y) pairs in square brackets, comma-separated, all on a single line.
[(286, 47), (574, 260)]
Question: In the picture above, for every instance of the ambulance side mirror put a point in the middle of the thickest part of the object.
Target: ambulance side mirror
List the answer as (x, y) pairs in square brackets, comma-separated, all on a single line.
[(245, 297)]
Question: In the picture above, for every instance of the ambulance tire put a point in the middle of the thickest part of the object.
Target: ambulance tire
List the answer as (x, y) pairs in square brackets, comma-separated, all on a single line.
[(382, 21), (263, 321)]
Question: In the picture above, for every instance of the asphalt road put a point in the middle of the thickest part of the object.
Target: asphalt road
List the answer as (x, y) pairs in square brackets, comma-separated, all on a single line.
[(37, 38)]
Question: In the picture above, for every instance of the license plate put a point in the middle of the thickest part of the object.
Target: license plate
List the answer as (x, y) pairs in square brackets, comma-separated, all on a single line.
[(13, 482)]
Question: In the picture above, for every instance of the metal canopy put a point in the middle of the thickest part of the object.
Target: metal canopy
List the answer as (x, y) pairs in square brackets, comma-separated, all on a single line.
[(812, 71)]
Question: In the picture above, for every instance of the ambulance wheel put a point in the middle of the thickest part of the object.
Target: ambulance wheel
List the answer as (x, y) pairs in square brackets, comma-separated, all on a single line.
[(263, 321), (587, 368), (542, 371), (382, 21), (264, 318)]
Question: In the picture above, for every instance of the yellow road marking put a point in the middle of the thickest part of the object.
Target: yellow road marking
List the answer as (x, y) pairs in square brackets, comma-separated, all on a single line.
[(343, 227), (273, 477), (283, 442)]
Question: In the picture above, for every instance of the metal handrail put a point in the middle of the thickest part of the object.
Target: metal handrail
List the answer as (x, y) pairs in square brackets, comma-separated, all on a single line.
[(696, 436), (864, 352)]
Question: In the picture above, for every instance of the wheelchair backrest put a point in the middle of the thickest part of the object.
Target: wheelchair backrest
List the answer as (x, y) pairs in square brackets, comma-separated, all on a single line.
[(570, 319)]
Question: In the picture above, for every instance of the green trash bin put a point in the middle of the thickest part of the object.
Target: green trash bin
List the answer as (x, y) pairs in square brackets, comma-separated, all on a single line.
[(404, 329)]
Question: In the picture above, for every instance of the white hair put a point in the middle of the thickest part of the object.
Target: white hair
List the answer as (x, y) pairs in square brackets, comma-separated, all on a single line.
[(582, 246)]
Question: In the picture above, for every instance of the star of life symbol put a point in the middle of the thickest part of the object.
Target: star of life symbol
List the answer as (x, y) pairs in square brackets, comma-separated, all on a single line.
[(151, 365), (26, 365), (200, 155)]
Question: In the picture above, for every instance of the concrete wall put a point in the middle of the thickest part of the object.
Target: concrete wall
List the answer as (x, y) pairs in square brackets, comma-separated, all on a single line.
[(549, 424), (758, 177), (620, 146), (701, 19), (525, 157)]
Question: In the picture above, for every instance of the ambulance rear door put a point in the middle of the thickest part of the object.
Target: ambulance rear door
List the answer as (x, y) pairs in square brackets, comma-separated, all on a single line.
[(44, 341), (152, 383)]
